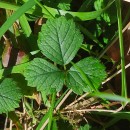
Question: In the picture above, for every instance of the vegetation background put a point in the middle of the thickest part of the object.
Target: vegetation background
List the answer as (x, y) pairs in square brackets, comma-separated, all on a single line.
[(64, 64)]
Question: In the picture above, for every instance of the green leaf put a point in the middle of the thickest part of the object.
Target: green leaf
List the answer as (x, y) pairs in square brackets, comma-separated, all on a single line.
[(59, 40), (10, 95), (13, 70), (109, 15), (25, 25), (93, 70), (44, 75), (45, 99), (54, 125), (86, 127), (64, 6)]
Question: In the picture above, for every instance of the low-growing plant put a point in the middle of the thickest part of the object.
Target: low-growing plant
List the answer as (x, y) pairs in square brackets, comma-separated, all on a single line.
[(59, 40), (54, 65)]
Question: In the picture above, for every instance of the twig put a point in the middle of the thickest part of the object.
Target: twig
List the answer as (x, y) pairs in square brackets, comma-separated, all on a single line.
[(118, 72), (57, 108), (127, 0), (24, 113), (93, 110), (5, 38), (44, 125), (81, 97), (108, 47), (11, 125), (31, 127), (62, 101)]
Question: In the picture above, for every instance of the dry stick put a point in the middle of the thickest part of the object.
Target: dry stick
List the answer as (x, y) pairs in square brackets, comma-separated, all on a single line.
[(57, 108), (24, 112), (31, 127), (4, 37), (81, 97), (11, 123), (85, 119), (94, 110), (118, 72), (44, 125), (127, 0), (62, 101), (125, 28)]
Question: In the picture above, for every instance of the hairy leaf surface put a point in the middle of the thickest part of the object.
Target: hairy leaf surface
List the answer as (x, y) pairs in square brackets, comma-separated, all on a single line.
[(10, 95), (59, 40), (93, 70), (44, 75)]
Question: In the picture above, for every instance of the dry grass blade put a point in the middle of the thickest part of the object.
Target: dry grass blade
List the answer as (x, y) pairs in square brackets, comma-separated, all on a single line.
[(127, 0)]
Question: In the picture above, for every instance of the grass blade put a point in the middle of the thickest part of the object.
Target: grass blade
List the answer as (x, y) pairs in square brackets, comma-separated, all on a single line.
[(49, 12), (51, 110), (43, 120), (25, 25), (112, 97), (16, 16), (124, 85)]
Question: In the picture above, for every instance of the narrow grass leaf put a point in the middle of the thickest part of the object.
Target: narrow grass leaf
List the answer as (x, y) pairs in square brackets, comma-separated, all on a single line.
[(51, 110), (119, 17), (83, 16), (16, 15), (54, 125), (25, 25), (112, 97), (43, 120)]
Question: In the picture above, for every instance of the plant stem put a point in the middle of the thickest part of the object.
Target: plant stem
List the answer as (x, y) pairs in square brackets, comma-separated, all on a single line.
[(44, 8), (51, 110), (124, 85)]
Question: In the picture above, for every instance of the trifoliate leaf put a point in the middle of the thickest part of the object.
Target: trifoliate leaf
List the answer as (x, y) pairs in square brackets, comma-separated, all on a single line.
[(94, 71), (44, 75), (10, 95), (59, 40)]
